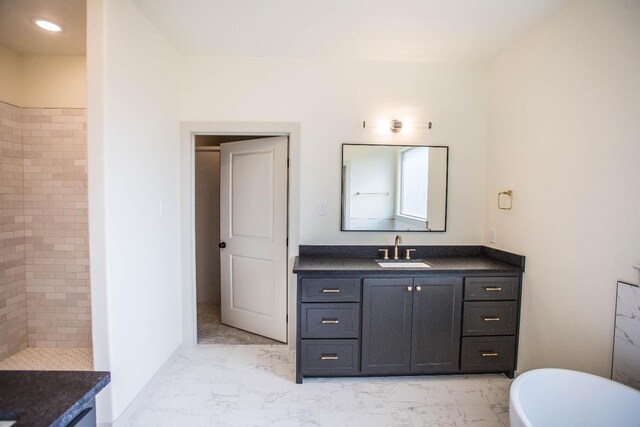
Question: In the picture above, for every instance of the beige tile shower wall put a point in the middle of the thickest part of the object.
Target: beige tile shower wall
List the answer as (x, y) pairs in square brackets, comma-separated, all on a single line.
[(13, 306), (57, 251)]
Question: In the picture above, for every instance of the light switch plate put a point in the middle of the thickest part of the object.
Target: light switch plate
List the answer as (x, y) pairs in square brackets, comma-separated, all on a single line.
[(492, 235), (322, 209)]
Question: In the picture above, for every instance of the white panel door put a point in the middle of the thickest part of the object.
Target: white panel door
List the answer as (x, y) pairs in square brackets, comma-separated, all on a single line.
[(253, 227)]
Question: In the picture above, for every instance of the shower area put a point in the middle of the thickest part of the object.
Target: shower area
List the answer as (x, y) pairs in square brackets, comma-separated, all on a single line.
[(45, 313), (45, 304)]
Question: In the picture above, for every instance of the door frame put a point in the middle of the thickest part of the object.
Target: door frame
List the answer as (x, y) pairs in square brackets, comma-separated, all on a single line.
[(188, 131)]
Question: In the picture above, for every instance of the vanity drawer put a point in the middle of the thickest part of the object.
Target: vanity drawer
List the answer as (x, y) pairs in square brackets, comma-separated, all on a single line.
[(489, 318), (335, 320), (491, 288), (330, 357), (329, 289), (487, 354)]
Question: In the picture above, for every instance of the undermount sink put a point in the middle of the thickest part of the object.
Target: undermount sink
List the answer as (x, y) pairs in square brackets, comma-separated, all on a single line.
[(403, 264)]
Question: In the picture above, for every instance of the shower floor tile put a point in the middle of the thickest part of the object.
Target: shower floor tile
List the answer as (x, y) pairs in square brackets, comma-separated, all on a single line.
[(49, 359)]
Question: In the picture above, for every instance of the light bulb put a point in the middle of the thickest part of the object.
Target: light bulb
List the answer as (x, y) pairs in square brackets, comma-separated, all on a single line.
[(47, 25)]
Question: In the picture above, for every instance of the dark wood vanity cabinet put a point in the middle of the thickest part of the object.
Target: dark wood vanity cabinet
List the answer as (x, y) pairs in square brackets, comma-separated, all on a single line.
[(490, 324), (329, 320), (411, 325), (404, 324)]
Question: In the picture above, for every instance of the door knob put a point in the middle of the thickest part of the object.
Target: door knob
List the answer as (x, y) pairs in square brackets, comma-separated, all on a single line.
[(418, 288), (409, 288), (222, 245)]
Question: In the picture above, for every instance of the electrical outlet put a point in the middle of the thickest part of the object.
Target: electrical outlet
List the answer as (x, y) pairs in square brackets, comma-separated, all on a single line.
[(322, 209), (492, 235)]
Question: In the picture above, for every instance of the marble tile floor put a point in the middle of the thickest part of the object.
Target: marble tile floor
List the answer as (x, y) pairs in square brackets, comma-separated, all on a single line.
[(49, 359), (212, 331), (217, 385)]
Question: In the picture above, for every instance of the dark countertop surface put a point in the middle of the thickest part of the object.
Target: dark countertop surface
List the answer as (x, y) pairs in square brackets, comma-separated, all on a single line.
[(455, 264), (47, 398)]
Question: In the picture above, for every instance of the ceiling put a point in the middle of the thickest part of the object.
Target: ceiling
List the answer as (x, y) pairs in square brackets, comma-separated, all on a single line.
[(402, 30), (18, 33)]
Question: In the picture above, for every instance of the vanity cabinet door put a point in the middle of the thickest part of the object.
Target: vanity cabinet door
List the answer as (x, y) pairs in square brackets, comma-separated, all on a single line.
[(437, 317), (386, 325)]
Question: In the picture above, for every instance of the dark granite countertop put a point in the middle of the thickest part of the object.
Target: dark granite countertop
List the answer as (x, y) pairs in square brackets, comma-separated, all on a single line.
[(450, 259), (307, 264), (47, 398)]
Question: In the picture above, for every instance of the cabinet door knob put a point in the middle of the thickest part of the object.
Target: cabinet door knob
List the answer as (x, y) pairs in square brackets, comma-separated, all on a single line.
[(409, 288), (418, 288)]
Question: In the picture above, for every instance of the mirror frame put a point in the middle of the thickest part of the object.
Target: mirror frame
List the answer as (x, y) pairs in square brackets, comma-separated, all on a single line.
[(446, 191)]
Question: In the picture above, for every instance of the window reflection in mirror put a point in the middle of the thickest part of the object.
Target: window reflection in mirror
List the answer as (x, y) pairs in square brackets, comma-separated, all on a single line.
[(394, 188)]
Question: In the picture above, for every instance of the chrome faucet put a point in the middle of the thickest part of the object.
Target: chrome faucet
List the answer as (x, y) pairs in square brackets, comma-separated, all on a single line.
[(395, 248)]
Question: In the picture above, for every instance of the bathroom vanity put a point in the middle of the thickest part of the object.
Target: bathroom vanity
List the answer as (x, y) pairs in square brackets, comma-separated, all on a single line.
[(358, 318)]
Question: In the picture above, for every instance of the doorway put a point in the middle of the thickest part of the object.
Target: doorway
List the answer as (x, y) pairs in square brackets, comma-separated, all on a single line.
[(189, 130), (240, 238)]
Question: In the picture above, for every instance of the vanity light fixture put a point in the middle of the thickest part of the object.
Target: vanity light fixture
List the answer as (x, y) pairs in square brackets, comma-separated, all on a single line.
[(47, 25), (396, 125)]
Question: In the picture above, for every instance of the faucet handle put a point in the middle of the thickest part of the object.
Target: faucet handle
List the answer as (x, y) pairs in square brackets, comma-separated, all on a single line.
[(408, 253), (385, 252)]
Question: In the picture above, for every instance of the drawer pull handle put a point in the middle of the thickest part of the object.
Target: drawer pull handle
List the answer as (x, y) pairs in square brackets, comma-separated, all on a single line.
[(330, 321), (492, 289), (331, 291), (488, 354), (329, 357), (491, 318)]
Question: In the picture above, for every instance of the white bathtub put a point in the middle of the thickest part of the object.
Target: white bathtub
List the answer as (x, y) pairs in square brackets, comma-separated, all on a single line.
[(563, 398)]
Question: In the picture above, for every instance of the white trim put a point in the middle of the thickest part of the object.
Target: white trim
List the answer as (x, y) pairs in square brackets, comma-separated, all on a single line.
[(187, 211)]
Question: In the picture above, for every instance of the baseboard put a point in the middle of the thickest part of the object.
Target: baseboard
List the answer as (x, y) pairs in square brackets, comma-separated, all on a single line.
[(127, 414)]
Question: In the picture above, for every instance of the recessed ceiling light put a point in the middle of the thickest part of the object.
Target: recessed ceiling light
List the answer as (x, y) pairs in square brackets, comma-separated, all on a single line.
[(47, 25)]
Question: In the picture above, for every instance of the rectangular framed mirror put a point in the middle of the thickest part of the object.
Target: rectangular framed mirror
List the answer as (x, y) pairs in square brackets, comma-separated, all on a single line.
[(394, 187)]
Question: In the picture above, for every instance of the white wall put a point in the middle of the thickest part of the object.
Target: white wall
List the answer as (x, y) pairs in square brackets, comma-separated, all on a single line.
[(134, 199), (42, 81), (10, 77), (54, 81), (330, 100), (564, 132)]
